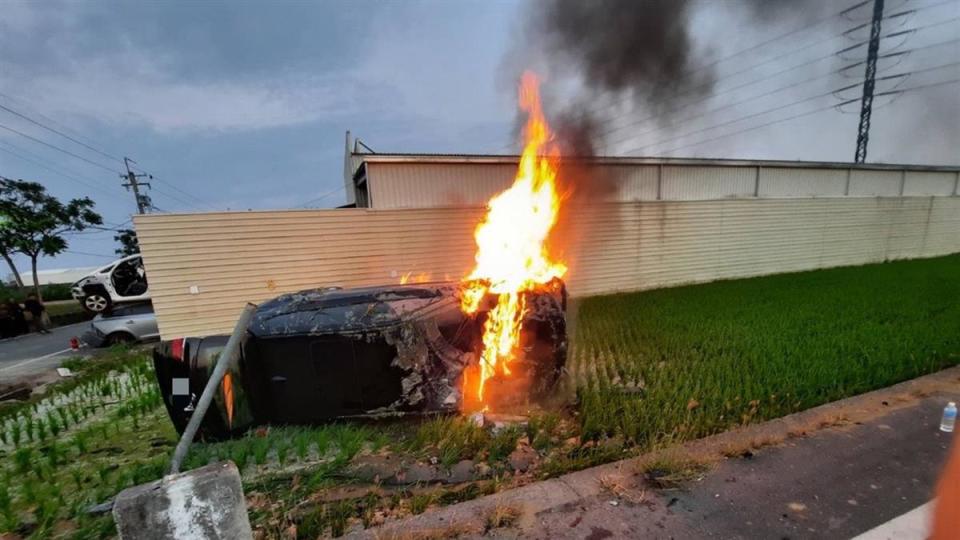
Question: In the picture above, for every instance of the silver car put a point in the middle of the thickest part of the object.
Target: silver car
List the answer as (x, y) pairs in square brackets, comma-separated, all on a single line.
[(129, 323)]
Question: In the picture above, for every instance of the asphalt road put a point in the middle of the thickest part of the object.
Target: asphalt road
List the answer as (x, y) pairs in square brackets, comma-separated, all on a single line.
[(33, 353), (836, 484)]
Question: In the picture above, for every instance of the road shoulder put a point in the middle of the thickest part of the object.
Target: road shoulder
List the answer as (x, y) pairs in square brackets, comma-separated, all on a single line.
[(782, 478)]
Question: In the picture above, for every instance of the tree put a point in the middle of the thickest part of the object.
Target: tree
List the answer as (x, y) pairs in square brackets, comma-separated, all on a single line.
[(129, 244), (36, 220), (7, 248)]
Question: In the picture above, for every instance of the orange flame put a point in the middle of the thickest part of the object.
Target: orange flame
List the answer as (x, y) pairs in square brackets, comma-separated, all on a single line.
[(409, 277), (512, 256)]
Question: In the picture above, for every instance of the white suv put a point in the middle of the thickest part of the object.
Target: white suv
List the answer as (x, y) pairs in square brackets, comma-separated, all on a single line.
[(123, 280)]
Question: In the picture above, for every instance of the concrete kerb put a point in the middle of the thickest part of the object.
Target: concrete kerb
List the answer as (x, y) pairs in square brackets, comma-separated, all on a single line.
[(532, 499)]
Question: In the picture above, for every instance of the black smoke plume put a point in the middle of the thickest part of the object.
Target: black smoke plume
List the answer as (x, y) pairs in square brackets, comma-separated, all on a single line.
[(643, 48)]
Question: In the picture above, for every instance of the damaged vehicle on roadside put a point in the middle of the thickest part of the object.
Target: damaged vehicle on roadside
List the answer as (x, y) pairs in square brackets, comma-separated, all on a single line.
[(324, 354)]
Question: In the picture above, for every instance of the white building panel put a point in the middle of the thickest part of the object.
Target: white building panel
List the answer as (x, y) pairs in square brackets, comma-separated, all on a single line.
[(630, 182), (689, 183), (930, 183), (432, 185), (873, 183), (235, 257), (781, 182)]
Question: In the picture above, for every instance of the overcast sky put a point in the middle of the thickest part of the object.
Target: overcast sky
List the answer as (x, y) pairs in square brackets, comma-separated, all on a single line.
[(245, 105)]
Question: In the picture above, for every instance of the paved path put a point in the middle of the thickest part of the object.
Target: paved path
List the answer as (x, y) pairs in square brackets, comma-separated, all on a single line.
[(867, 464), (33, 353), (838, 484)]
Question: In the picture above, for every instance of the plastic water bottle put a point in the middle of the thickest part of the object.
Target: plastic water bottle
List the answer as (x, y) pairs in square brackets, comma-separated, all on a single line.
[(949, 417)]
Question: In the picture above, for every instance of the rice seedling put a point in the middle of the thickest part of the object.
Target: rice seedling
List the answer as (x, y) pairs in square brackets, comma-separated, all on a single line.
[(451, 439), (261, 447), (16, 434), (53, 425), (282, 447), (302, 444), (23, 460), (420, 502), (239, 454), (722, 354)]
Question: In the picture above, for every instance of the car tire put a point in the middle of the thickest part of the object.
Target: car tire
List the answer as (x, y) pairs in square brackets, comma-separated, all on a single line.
[(119, 338), (96, 303)]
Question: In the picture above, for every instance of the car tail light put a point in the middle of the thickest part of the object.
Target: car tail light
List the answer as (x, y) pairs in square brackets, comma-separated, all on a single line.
[(176, 349)]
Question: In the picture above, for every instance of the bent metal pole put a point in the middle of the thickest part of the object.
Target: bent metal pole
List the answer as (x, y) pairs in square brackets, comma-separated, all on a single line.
[(223, 362)]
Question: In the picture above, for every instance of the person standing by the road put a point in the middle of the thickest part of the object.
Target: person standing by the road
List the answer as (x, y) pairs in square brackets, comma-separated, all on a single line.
[(17, 321), (41, 321)]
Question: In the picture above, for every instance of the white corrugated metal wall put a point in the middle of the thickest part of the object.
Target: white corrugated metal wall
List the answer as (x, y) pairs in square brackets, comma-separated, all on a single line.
[(411, 184), (234, 257)]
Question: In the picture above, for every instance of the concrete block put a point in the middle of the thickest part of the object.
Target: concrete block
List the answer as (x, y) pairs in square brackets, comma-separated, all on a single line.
[(205, 503)]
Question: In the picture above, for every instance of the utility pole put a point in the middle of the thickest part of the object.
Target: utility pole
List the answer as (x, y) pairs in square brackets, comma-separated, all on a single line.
[(133, 183), (869, 78)]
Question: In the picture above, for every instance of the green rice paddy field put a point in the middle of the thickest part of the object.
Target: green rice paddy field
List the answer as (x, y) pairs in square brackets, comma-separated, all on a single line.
[(646, 370), (689, 361)]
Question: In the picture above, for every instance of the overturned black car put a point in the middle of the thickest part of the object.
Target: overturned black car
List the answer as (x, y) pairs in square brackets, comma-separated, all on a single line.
[(323, 354)]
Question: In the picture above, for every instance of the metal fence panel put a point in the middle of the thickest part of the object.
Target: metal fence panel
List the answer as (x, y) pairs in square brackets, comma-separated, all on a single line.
[(204, 267)]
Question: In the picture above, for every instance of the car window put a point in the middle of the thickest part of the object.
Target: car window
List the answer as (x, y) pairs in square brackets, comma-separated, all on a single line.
[(133, 309), (140, 309)]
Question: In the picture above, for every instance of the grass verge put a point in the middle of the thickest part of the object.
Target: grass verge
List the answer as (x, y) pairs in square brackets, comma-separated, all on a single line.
[(649, 369)]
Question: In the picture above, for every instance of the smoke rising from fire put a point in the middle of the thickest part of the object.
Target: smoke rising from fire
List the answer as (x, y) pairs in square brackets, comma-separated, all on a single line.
[(611, 59), (643, 48), (628, 56)]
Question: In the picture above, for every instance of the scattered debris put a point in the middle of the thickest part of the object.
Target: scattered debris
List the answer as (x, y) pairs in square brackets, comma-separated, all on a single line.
[(498, 422), (523, 457), (102, 508), (16, 392), (502, 516)]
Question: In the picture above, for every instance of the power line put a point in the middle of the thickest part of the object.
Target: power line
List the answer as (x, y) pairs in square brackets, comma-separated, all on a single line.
[(90, 254), (764, 78), (903, 75), (49, 120), (62, 134), (321, 197), (784, 106), (57, 148), (764, 43), (807, 113), (81, 143), (174, 187), (39, 162), (175, 198), (695, 89)]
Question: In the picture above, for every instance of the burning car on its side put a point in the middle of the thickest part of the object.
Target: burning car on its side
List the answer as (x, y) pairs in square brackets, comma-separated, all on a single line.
[(322, 354)]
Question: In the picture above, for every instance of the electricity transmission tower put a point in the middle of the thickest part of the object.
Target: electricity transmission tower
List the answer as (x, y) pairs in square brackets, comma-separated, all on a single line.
[(144, 204), (869, 78)]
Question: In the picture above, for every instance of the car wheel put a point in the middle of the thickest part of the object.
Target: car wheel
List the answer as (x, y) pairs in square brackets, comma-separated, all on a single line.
[(96, 303), (120, 338)]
